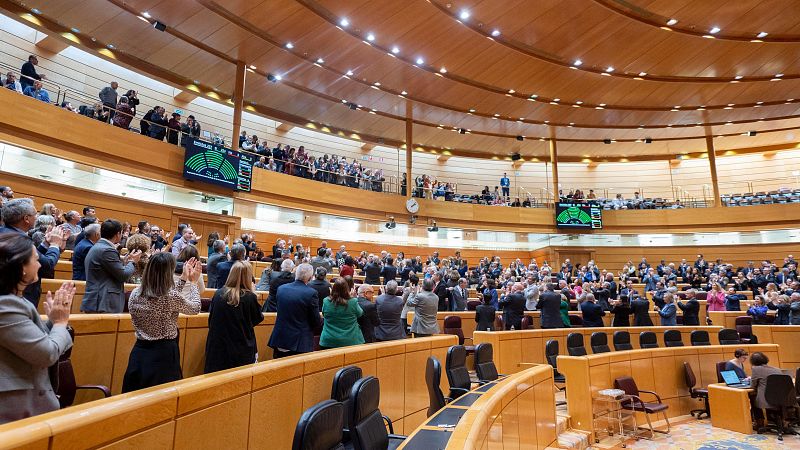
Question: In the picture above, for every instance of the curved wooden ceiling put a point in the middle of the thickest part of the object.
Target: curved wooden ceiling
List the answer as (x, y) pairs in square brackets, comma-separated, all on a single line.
[(666, 85)]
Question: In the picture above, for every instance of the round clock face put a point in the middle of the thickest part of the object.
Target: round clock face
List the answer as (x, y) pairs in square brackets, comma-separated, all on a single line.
[(412, 206)]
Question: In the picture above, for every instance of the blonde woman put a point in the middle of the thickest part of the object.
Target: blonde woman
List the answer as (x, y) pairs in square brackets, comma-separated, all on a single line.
[(233, 315)]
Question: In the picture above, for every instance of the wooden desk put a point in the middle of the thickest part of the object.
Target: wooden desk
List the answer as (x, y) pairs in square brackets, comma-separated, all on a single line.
[(730, 408)]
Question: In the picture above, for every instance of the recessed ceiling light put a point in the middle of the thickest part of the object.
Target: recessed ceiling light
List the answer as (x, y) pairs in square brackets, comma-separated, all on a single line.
[(738, 77), (472, 110), (763, 34), (577, 63), (395, 50), (370, 37), (714, 30), (377, 83), (602, 104), (609, 69), (511, 91), (443, 70), (463, 15), (404, 93), (672, 22), (252, 67), (546, 121), (759, 103), (579, 102), (420, 61), (278, 77), (556, 99), (642, 74), (289, 45), (143, 19), (147, 14), (344, 101), (344, 22), (534, 95), (320, 60), (75, 30), (349, 73), (497, 115), (111, 46), (495, 33), (778, 75)]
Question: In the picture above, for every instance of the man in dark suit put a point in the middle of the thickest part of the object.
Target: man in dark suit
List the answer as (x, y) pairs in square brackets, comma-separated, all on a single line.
[(372, 271), (369, 320), (320, 284), (19, 216), (550, 305), (389, 271), (440, 289), (298, 316), (92, 233), (691, 309), (277, 280), (390, 306), (106, 273), (513, 306), (238, 253), (406, 271), (592, 312), (459, 295), (641, 312)]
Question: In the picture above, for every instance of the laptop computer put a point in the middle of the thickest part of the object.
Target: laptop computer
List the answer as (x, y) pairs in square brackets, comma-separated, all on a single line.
[(732, 380)]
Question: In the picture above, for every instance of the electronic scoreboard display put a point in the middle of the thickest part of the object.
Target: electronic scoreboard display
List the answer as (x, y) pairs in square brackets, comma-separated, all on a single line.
[(579, 216), (218, 165)]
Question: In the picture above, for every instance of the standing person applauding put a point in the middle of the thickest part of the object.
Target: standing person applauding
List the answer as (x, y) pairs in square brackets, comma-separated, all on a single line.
[(154, 307), (28, 345)]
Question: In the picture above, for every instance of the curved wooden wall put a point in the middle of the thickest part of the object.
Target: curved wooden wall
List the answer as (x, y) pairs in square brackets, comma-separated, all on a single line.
[(254, 406)]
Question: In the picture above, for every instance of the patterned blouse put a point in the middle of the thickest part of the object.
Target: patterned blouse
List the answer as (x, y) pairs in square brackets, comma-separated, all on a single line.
[(156, 318)]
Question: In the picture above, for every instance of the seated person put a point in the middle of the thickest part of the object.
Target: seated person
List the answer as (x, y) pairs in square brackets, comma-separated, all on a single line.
[(758, 311), (737, 363), (761, 370)]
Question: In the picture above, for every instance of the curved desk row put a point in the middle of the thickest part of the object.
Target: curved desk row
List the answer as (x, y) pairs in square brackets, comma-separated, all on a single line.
[(515, 412), (659, 370), (254, 406)]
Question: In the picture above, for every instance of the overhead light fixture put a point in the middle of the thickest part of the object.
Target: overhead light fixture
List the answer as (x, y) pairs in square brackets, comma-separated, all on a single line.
[(349, 73), (391, 224), (344, 22), (404, 93), (642, 74), (672, 22), (433, 228), (714, 30), (752, 133), (495, 33), (395, 50), (763, 34), (352, 106), (320, 60), (377, 83), (472, 110), (511, 91), (496, 115), (75, 30), (147, 14), (443, 70), (778, 75), (111, 46), (370, 37), (463, 15), (579, 102), (738, 77), (462, 131), (160, 26), (520, 138), (609, 69), (607, 141), (289, 45), (252, 67), (272, 78), (648, 140), (420, 61), (577, 63)]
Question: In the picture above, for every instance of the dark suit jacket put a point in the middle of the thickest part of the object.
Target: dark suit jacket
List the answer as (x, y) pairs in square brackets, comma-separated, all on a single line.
[(484, 317), (322, 287), (592, 314), (622, 316), (48, 257), (388, 273), (389, 309), (278, 280), (372, 273), (369, 320), (641, 313), (404, 274), (458, 300), (691, 312), (441, 291), (550, 304), (513, 309), (78, 259), (105, 279), (298, 317)]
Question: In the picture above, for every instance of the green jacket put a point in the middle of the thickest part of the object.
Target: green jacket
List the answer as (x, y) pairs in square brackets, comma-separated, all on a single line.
[(341, 324)]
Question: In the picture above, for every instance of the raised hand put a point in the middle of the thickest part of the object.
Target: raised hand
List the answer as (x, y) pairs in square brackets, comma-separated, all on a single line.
[(57, 306)]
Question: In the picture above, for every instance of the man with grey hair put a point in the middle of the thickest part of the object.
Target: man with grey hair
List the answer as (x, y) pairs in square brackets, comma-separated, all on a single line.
[(238, 253), (285, 276), (91, 235), (390, 306), (298, 315), (459, 295), (531, 292), (513, 305), (73, 224), (320, 284), (794, 307), (19, 215), (213, 261), (372, 271), (369, 320)]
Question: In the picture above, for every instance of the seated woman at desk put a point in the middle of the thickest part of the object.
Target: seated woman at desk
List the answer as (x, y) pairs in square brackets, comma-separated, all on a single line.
[(761, 370), (737, 363)]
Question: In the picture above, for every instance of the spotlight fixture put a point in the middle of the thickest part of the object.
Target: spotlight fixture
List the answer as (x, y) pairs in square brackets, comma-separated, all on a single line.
[(464, 15), (344, 22), (516, 157), (606, 141), (672, 22), (420, 61), (577, 63), (714, 30), (412, 220), (520, 138), (752, 133), (272, 78), (160, 26), (763, 34), (495, 33), (395, 50), (370, 37), (391, 224), (289, 45), (462, 131), (433, 228), (352, 106), (147, 14), (320, 60), (648, 140)]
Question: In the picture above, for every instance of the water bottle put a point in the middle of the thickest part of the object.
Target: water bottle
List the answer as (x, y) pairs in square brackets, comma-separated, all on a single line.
[(512, 327)]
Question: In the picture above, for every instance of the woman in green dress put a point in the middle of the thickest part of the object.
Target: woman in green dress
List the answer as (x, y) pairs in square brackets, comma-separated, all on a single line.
[(565, 311), (341, 312)]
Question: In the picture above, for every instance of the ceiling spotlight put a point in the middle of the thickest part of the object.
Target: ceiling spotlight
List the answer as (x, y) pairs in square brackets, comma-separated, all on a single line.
[(395, 50), (577, 63), (147, 14), (462, 131), (433, 228), (471, 110), (252, 67), (272, 78), (606, 141), (75, 30), (672, 22), (714, 30), (495, 33), (370, 37), (349, 73), (320, 60), (443, 70), (752, 133), (778, 75), (511, 91), (344, 22), (738, 77), (404, 93), (352, 106), (609, 69), (648, 140), (420, 61), (391, 224), (289, 45), (642, 74), (463, 15), (763, 34), (520, 138)]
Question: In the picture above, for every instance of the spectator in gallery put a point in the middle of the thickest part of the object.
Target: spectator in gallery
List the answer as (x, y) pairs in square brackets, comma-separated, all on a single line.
[(505, 183), (12, 83), (124, 114), (133, 100), (6, 194), (190, 129), (109, 97), (158, 124), (174, 126), (29, 74), (37, 91)]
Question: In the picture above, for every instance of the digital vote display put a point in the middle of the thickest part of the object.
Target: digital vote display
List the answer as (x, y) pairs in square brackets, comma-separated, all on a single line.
[(579, 216), (218, 165)]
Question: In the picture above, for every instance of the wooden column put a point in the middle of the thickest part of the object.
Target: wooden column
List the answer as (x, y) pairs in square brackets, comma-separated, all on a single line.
[(554, 163), (409, 145), (712, 161), (238, 103)]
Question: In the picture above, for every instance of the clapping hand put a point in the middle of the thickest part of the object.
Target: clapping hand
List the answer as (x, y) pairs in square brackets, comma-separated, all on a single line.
[(192, 270), (133, 256), (57, 306), (57, 236)]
